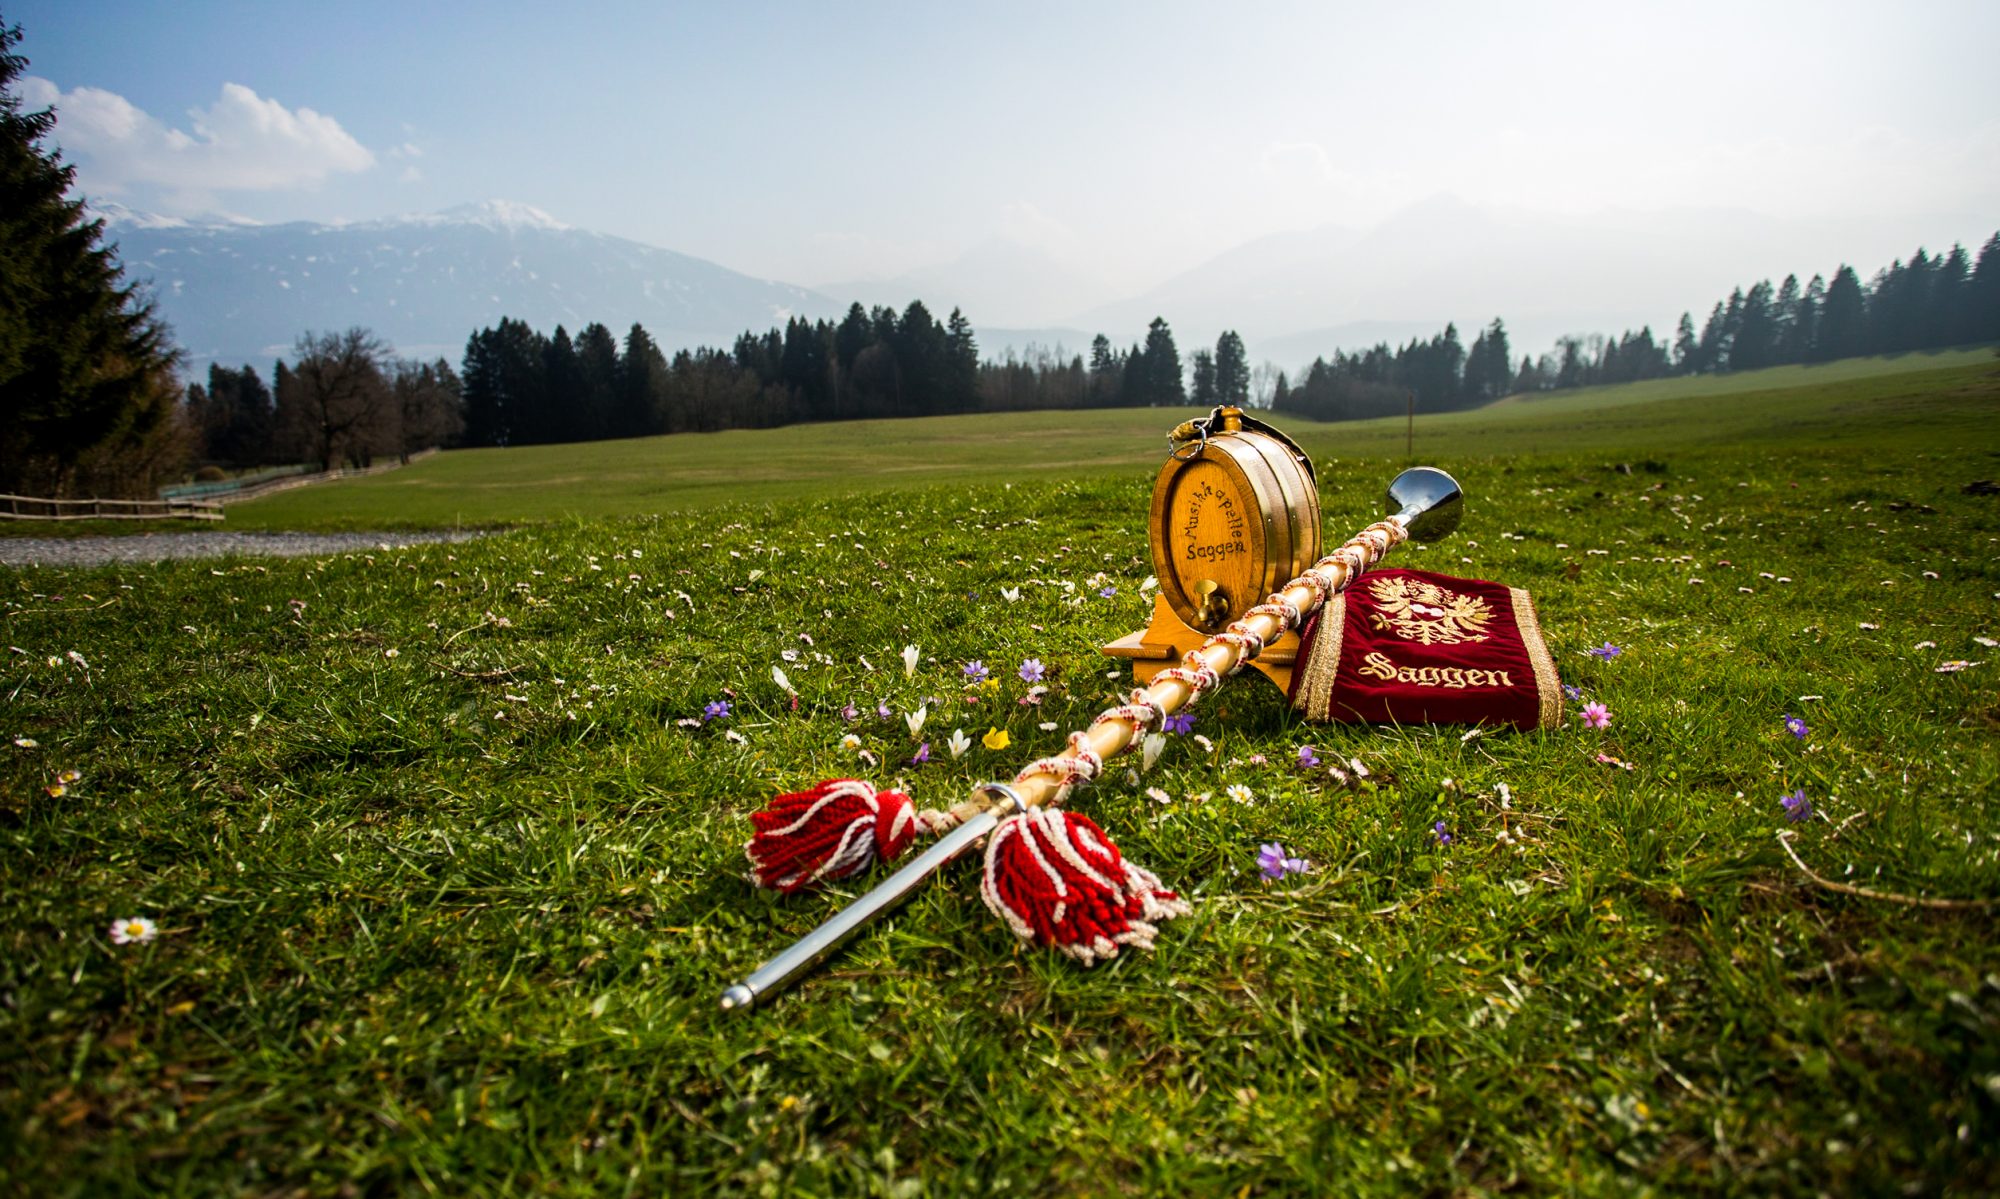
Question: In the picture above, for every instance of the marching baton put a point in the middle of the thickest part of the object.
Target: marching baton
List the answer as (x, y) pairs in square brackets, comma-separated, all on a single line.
[(1423, 503)]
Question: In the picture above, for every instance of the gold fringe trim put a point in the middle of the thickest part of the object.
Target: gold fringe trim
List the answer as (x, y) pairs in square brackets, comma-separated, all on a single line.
[(1316, 690), (1548, 687)]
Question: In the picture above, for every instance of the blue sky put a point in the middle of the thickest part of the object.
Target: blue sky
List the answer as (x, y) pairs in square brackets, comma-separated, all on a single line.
[(816, 143)]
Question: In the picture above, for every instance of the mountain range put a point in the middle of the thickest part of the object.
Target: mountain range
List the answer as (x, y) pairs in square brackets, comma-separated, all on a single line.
[(237, 292)]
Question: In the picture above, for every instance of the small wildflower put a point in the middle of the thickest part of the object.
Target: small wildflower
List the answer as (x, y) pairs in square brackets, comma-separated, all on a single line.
[(882, 711), (850, 742), (1108, 592), (1359, 770), (27, 743), (959, 743), (1869, 627), (990, 685), (1307, 759), (1925, 645), (133, 930), (909, 660), (391, 652), (1207, 746), (1620, 763), (715, 711), (784, 683), (1047, 726), (1158, 796), (1442, 833), (1149, 749), (922, 755), (916, 720), (733, 735), (1607, 651), (975, 671), (1010, 594), (789, 655), (1797, 806), (1034, 696), (1272, 861), (1179, 722), (1031, 671), (850, 714), (1573, 692), (995, 739), (1954, 666), (1796, 727), (1240, 793), (1597, 716)]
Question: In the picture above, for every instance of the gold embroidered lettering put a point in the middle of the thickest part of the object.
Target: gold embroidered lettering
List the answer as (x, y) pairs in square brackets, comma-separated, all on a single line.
[(1456, 678)]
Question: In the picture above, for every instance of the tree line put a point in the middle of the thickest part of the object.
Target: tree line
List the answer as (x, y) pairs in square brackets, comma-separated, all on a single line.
[(344, 400), (1929, 302)]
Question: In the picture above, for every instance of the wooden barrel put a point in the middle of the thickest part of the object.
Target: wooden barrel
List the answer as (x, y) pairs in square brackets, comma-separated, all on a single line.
[(1235, 516)]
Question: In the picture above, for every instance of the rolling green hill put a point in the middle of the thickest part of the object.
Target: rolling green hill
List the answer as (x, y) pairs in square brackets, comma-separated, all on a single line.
[(1954, 397)]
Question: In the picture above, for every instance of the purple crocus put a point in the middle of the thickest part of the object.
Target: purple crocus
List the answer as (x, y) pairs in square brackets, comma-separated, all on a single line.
[(975, 671), (1796, 727), (1574, 693), (850, 713), (1031, 671), (1272, 861), (1108, 592), (1307, 759), (882, 711), (1442, 833), (922, 755), (1797, 806), (1607, 651), (715, 711), (1179, 722)]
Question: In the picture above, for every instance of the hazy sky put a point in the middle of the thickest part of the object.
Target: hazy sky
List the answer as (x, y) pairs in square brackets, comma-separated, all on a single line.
[(815, 143)]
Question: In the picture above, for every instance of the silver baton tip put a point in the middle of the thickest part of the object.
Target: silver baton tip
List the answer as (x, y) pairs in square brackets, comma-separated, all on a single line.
[(737, 996)]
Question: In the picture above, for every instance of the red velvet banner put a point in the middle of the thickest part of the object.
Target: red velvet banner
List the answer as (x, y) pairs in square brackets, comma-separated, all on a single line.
[(1412, 647)]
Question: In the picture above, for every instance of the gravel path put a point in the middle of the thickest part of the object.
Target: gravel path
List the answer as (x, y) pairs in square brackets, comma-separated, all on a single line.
[(155, 547)]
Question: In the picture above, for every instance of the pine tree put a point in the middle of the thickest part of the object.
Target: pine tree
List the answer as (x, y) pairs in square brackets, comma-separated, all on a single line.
[(1982, 299), (562, 382), (1842, 319), (597, 377), (641, 383), (1203, 367), (961, 351), (1160, 371), (1232, 370), (88, 398), (1687, 350)]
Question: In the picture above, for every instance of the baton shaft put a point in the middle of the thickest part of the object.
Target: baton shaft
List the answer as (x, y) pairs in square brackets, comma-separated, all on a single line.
[(809, 949)]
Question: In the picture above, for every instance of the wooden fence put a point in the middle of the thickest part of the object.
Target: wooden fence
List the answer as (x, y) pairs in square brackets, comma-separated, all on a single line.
[(26, 507)]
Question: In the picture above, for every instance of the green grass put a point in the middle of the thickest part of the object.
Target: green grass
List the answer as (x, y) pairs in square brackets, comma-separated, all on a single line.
[(455, 920)]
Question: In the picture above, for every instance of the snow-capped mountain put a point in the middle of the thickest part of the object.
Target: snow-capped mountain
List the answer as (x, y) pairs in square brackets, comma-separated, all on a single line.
[(238, 292)]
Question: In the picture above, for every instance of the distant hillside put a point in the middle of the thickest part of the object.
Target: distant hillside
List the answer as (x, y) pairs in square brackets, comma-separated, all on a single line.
[(243, 293)]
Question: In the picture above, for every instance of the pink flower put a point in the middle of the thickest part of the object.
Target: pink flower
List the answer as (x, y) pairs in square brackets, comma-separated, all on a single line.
[(1597, 716)]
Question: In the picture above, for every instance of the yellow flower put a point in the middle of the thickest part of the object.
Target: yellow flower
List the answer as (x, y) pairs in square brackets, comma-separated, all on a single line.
[(995, 739), (991, 685)]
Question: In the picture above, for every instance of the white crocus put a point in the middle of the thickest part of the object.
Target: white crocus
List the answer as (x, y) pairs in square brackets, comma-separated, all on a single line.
[(778, 677), (1010, 594), (916, 720), (909, 660), (1149, 749), (959, 743)]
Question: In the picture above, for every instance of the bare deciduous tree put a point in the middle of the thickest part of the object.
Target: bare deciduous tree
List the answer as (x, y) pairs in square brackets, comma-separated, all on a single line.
[(336, 400)]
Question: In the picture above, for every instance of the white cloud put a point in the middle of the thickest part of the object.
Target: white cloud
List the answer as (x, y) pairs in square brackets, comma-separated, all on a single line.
[(242, 142)]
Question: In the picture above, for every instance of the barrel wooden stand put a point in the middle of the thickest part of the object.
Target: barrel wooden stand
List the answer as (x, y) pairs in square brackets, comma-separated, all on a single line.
[(1165, 641)]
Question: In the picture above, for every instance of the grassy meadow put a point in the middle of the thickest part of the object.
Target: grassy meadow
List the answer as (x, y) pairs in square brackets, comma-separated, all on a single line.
[(445, 864)]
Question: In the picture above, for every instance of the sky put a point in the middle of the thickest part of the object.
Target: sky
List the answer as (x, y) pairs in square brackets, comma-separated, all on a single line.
[(1128, 142)]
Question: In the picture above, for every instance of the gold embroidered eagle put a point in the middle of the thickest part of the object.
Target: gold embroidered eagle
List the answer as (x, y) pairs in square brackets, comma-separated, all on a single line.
[(1421, 611)]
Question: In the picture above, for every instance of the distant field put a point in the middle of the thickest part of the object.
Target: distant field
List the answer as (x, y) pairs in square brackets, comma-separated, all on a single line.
[(1954, 396)]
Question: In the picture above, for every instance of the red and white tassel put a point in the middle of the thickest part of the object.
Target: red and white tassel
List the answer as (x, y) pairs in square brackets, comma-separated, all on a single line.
[(835, 830), (1056, 880)]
